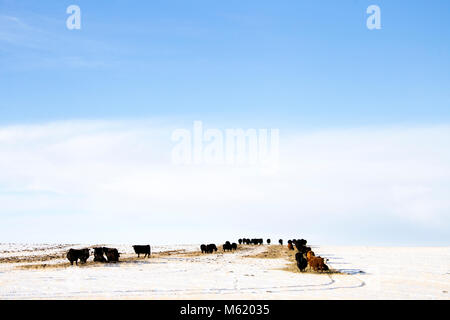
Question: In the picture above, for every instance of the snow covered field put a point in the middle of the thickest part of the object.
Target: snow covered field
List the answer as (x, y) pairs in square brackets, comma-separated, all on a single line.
[(180, 272)]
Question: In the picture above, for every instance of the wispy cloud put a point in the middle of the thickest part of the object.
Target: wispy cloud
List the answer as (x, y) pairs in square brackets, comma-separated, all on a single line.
[(15, 31), (44, 43), (13, 19)]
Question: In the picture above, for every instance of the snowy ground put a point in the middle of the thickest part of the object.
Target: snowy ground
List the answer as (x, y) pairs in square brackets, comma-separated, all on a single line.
[(368, 273)]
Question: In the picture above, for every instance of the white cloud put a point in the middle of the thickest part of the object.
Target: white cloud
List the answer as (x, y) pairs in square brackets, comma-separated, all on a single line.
[(90, 175)]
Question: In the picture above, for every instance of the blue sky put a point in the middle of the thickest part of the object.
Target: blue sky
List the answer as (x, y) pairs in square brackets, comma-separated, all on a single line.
[(290, 62), (86, 117)]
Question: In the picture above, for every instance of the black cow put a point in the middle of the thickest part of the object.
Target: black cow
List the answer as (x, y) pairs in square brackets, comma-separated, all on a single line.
[(280, 241), (303, 249), (227, 246), (203, 248), (210, 248), (84, 255), (240, 241), (112, 254), (234, 246), (268, 241), (302, 262), (98, 255), (145, 250), (299, 242), (75, 254), (257, 241)]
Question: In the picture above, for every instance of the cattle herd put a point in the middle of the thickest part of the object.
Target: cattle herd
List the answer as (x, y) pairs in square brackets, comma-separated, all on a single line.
[(103, 254), (208, 248), (304, 257), (252, 241)]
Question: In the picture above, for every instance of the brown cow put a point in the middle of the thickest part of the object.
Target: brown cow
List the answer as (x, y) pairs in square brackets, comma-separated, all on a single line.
[(310, 254), (317, 264), (290, 246)]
